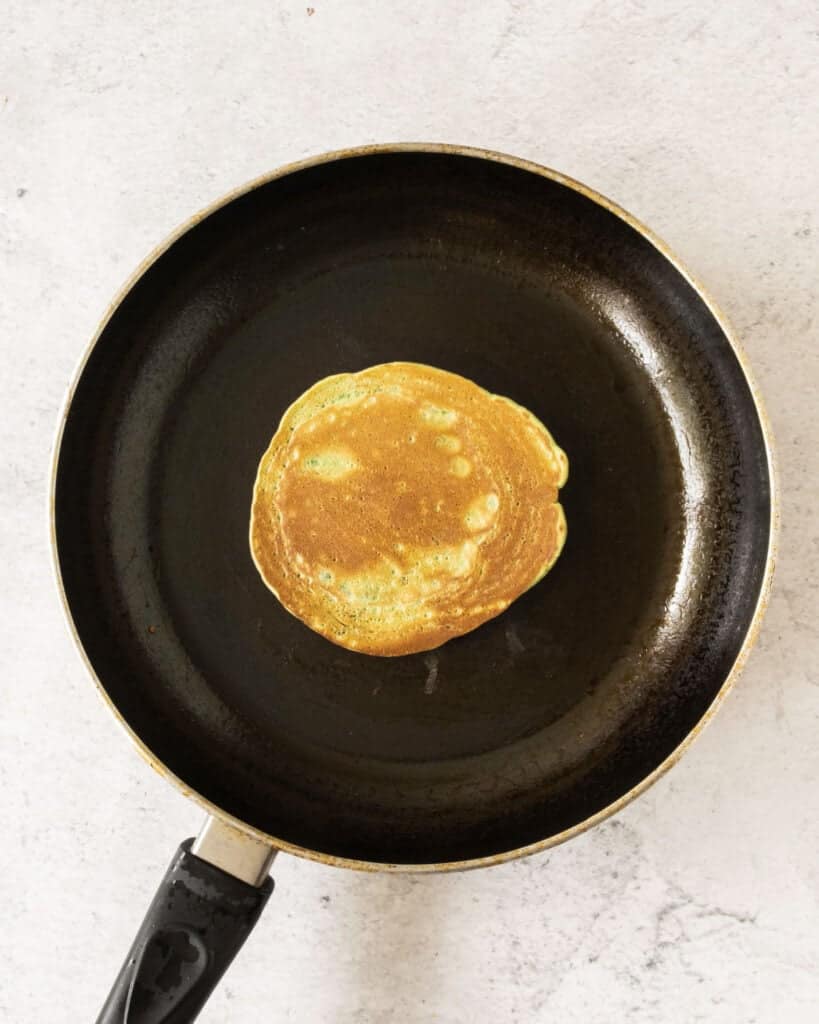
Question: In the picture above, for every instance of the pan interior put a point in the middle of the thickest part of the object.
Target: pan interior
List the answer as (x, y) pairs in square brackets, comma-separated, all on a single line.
[(542, 716)]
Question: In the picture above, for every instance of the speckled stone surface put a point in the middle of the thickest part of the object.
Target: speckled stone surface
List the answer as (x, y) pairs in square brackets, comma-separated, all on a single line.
[(699, 902)]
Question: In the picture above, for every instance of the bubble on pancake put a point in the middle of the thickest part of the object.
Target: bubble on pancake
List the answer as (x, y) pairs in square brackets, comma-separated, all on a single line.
[(402, 506), (435, 416), (448, 443), (330, 463), (481, 513)]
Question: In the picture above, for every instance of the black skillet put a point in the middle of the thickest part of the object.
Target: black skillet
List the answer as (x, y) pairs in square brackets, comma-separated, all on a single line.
[(504, 741)]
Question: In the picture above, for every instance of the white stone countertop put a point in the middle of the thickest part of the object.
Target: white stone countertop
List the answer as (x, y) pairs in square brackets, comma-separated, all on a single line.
[(698, 902)]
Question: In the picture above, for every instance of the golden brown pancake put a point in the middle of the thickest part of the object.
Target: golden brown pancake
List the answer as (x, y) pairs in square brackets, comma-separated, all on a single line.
[(402, 506)]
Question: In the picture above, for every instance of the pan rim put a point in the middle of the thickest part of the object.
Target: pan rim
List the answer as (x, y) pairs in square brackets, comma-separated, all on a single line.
[(763, 596)]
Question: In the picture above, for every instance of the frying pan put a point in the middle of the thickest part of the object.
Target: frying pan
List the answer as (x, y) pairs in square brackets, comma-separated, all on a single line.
[(502, 742)]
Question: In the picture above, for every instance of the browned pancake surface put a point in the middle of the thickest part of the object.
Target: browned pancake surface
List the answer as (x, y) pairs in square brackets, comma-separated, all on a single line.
[(401, 506)]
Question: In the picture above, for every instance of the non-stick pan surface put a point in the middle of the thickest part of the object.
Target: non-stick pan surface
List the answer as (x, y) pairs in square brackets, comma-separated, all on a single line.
[(543, 717)]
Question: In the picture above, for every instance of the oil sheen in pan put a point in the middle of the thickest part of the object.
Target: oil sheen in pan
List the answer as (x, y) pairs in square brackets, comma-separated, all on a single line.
[(517, 675)]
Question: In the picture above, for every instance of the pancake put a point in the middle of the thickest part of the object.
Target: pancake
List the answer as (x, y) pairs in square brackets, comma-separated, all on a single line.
[(402, 506)]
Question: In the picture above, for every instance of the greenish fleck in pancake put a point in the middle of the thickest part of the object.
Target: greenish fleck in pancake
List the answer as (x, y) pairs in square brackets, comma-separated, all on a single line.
[(402, 506)]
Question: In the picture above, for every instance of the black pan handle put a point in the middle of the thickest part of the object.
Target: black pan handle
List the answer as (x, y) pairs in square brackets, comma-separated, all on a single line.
[(196, 924)]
